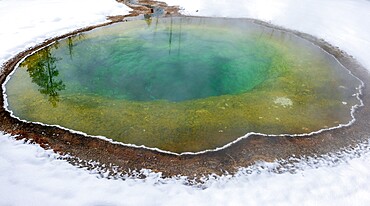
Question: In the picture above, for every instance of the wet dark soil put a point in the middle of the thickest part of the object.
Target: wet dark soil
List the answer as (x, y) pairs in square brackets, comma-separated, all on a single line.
[(241, 154)]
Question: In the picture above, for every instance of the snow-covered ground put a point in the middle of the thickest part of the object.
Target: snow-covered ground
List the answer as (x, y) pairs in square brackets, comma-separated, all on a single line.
[(27, 22), (30, 175)]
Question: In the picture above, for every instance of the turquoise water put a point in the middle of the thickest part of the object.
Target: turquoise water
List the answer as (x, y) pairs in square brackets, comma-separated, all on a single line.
[(167, 63), (183, 84)]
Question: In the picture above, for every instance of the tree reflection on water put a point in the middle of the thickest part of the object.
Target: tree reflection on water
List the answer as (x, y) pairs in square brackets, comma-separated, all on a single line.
[(42, 69)]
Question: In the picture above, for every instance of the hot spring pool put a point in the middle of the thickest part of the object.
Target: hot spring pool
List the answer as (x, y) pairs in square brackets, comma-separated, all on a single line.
[(184, 84)]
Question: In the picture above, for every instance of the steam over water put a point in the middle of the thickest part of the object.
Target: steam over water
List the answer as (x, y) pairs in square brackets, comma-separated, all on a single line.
[(184, 84)]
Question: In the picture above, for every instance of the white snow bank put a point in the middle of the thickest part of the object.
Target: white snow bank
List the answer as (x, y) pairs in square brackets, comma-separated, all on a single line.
[(25, 23), (30, 175), (33, 176)]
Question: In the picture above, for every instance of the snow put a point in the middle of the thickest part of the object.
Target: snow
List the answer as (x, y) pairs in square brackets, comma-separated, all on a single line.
[(30, 175), (27, 22)]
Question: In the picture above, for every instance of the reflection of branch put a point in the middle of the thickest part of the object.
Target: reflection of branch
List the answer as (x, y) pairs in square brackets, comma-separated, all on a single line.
[(70, 46), (170, 40), (42, 69), (179, 46), (273, 30)]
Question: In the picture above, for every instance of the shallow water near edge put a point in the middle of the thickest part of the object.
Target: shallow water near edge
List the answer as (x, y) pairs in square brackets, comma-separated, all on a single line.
[(183, 84)]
